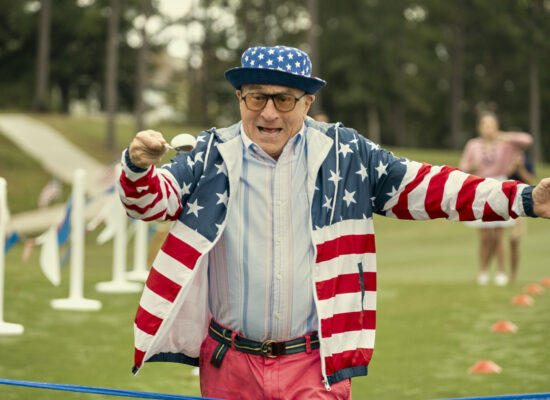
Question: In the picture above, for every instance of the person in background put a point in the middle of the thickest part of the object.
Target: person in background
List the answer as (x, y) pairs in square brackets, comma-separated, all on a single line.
[(267, 279), (490, 155), (521, 169)]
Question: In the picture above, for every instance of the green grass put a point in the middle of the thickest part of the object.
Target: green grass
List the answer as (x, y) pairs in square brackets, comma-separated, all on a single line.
[(433, 321)]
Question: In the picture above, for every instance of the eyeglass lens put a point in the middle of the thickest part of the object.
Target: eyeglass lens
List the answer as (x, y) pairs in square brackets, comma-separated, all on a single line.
[(257, 101)]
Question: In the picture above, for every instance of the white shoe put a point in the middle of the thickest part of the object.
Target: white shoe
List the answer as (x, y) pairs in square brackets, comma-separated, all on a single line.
[(501, 279), (482, 278)]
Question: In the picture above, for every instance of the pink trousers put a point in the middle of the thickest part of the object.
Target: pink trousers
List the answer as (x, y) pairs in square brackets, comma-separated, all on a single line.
[(255, 377)]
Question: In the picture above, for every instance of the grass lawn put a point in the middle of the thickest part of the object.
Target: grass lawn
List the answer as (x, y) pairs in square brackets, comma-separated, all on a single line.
[(433, 321)]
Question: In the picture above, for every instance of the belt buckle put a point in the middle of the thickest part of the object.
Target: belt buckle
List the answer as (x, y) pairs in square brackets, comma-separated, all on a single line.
[(266, 349)]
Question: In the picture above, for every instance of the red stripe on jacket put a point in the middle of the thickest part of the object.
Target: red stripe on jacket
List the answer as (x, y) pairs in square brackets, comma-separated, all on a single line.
[(147, 322), (180, 251), (163, 286), (401, 209), (466, 196), (138, 357), (347, 359), (436, 190), (348, 322), (349, 283), (348, 244), (510, 189)]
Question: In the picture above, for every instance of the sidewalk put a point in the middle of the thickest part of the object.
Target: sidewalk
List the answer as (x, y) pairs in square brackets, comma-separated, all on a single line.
[(59, 157)]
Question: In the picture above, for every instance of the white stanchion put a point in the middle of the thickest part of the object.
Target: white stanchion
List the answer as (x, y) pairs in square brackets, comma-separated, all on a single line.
[(119, 284), (76, 301), (140, 272), (6, 328)]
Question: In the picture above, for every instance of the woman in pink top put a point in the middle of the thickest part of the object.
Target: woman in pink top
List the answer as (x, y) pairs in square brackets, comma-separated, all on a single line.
[(490, 155)]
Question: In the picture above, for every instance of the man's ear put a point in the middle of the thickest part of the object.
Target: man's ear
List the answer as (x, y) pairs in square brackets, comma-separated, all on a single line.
[(238, 93)]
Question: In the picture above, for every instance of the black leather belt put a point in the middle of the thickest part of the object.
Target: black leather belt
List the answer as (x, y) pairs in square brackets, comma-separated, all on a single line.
[(267, 348)]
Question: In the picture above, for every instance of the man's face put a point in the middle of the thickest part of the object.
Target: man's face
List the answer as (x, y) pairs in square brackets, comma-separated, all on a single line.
[(270, 128)]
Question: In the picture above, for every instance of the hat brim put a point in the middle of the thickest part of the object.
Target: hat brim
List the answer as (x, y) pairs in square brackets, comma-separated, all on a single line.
[(241, 76)]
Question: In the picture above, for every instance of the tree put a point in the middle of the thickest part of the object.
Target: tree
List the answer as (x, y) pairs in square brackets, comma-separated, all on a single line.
[(40, 102), (111, 74)]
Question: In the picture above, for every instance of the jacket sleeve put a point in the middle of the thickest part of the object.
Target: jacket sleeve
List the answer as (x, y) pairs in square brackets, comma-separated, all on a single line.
[(407, 189), (150, 194)]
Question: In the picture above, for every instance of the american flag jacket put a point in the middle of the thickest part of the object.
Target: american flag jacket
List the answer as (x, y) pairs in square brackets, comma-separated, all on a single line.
[(349, 179)]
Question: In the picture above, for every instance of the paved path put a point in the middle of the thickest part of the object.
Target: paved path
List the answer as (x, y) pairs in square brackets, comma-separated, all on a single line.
[(59, 157)]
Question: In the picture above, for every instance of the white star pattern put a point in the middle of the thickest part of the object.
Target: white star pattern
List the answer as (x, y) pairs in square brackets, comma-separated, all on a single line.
[(373, 145), (334, 177), (194, 208), (190, 162), (344, 149), (348, 198), (270, 62), (221, 169), (327, 204), (355, 141), (290, 56), (185, 189), (288, 59), (393, 191), (201, 138), (219, 227), (280, 59), (363, 172), (270, 51), (198, 157), (261, 56), (382, 169), (222, 198)]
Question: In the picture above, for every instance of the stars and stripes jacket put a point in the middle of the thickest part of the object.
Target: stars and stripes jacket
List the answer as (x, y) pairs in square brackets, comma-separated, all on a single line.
[(349, 179)]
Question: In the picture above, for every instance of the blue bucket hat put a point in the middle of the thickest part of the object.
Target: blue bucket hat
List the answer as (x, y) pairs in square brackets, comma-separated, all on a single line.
[(279, 65)]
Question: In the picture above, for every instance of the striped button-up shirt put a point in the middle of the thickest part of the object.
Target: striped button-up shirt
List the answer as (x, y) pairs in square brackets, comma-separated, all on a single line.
[(260, 270)]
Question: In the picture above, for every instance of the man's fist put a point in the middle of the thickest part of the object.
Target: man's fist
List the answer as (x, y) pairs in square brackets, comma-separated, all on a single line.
[(147, 148)]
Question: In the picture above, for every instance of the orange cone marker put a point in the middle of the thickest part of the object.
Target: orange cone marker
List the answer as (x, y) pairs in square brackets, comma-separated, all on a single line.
[(523, 300), (485, 367), (533, 288), (504, 326), (546, 282)]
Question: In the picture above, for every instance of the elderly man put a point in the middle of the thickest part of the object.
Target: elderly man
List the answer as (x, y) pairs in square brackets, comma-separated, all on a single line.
[(267, 279)]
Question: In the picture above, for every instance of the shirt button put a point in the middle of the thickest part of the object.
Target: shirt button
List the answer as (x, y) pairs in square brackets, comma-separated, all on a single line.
[(277, 315), (279, 277)]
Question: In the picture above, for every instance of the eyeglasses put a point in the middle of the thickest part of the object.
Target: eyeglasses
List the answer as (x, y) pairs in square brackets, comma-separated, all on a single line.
[(283, 102)]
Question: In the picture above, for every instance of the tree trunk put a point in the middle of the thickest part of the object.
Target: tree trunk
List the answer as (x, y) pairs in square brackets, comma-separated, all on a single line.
[(373, 124), (313, 41), (111, 74), (534, 106), (457, 86), (399, 125), (142, 71), (40, 102)]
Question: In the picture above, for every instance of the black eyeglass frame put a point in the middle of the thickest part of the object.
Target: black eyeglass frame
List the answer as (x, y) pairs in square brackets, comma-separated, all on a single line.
[(272, 97)]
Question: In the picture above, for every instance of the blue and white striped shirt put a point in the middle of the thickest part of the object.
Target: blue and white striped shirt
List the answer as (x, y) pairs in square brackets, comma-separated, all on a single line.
[(260, 269)]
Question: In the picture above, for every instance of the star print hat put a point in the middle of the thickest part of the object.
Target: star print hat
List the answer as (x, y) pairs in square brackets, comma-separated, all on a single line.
[(279, 65)]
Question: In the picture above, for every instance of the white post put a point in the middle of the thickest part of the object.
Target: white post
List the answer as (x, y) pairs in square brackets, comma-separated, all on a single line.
[(76, 301), (5, 327), (140, 273), (119, 284)]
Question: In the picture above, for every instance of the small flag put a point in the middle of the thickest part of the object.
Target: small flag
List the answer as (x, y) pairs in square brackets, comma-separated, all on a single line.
[(49, 255), (50, 192), (12, 239)]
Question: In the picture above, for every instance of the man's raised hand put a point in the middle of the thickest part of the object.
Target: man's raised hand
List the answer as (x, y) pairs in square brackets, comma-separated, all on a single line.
[(147, 148)]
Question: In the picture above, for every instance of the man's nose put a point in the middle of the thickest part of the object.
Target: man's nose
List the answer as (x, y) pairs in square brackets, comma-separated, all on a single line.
[(270, 112)]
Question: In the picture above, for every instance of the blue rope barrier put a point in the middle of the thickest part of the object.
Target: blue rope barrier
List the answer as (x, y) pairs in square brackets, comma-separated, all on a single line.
[(96, 390), (539, 396)]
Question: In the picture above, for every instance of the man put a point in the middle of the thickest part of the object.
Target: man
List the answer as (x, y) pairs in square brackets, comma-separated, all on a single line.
[(268, 276)]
